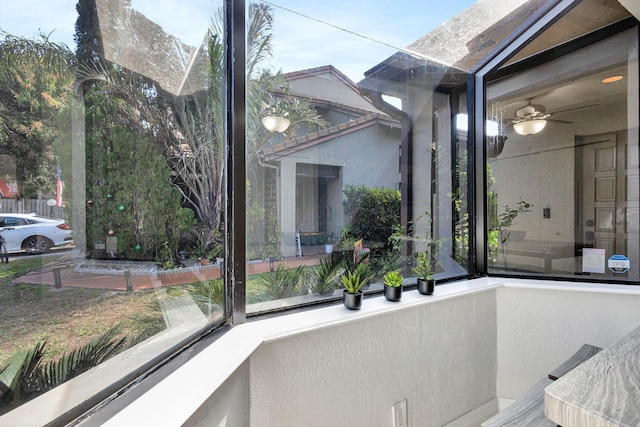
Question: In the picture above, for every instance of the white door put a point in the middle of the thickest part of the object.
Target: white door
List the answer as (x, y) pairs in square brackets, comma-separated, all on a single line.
[(608, 197)]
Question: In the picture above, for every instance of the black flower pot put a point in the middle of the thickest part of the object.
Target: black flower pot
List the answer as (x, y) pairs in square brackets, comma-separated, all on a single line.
[(352, 301), (392, 293), (425, 287)]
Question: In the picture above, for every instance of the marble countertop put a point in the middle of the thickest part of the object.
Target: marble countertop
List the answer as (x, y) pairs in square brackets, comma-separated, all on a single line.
[(603, 391)]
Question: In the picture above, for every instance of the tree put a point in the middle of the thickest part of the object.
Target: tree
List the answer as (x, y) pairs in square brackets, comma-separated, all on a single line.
[(140, 206), (190, 127), (36, 77)]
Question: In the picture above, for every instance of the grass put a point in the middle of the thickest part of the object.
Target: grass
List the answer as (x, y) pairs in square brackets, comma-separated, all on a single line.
[(67, 318)]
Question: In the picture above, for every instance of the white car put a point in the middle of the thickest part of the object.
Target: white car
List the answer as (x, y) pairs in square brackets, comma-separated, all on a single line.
[(33, 234)]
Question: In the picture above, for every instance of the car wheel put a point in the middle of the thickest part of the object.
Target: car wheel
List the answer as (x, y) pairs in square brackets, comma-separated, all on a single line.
[(36, 245)]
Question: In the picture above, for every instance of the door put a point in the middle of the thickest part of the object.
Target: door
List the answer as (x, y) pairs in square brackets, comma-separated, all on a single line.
[(607, 197)]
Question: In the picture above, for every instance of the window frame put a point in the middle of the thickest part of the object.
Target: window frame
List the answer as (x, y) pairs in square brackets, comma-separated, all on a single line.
[(489, 70)]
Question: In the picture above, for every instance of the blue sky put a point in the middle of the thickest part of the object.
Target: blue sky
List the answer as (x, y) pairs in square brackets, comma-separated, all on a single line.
[(300, 42)]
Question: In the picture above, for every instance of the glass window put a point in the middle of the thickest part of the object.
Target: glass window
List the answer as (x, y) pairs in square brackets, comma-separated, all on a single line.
[(563, 166), (354, 159), (112, 121)]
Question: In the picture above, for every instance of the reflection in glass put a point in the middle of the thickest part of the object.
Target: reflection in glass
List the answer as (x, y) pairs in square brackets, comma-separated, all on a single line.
[(561, 189), (362, 181), (118, 131)]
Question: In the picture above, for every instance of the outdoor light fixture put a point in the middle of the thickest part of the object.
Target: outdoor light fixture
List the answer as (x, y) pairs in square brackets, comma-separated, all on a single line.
[(529, 127), (275, 124)]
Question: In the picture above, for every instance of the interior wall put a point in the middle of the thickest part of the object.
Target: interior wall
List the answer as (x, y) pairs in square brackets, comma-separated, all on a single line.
[(440, 358), (228, 405), (539, 328)]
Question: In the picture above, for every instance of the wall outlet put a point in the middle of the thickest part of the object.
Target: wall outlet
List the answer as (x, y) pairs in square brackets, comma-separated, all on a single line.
[(400, 414)]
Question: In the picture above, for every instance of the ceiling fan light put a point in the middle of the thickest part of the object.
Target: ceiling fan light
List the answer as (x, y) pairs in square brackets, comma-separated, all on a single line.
[(529, 127)]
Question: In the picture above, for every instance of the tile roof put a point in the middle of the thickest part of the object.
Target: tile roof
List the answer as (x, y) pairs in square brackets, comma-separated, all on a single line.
[(311, 139)]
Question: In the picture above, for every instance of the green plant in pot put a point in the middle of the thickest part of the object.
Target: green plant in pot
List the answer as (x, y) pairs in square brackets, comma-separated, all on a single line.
[(424, 269), (393, 286), (352, 294)]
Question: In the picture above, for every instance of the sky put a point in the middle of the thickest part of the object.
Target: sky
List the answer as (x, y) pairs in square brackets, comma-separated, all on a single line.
[(306, 34)]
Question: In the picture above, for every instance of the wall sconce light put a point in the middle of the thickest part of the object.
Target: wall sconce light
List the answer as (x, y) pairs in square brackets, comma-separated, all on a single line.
[(529, 127), (275, 124)]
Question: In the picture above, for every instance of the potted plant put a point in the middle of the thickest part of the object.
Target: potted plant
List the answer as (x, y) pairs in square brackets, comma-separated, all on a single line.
[(424, 271), (392, 286), (352, 294)]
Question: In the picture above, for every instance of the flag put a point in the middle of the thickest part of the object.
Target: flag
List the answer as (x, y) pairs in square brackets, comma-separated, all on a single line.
[(59, 187)]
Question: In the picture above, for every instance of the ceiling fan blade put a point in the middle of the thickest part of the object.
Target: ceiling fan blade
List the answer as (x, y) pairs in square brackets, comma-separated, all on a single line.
[(574, 109), (558, 121)]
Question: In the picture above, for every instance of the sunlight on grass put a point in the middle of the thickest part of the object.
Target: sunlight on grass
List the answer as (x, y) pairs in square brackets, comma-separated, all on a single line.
[(18, 267)]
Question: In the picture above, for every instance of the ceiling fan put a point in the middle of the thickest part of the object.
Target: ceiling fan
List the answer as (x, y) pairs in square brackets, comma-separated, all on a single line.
[(532, 118)]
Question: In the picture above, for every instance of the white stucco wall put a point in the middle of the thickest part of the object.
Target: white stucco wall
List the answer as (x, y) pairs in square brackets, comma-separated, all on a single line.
[(352, 374), (542, 324), (227, 406)]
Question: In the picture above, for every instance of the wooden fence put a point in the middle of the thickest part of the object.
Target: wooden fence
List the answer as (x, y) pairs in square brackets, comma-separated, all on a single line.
[(37, 206)]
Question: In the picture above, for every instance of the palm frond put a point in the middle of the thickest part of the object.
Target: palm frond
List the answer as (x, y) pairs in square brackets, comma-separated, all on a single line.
[(82, 359)]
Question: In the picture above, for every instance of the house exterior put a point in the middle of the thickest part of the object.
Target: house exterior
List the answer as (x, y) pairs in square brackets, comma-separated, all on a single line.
[(311, 171)]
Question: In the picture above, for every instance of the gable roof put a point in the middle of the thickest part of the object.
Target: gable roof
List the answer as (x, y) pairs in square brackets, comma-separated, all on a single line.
[(324, 69), (327, 83), (311, 139)]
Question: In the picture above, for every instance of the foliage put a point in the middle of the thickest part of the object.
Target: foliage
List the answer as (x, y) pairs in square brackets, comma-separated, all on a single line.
[(144, 212), (324, 276), (263, 230), (282, 282), (27, 376), (208, 295), (352, 281), (202, 242), (372, 212), (461, 228), (505, 221), (424, 260), (424, 267), (35, 101), (190, 128), (393, 279)]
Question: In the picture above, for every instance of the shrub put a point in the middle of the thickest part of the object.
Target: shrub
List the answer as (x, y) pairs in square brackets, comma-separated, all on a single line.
[(373, 212)]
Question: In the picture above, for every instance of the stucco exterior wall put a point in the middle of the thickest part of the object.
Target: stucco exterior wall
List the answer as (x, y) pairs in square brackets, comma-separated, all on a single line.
[(368, 157)]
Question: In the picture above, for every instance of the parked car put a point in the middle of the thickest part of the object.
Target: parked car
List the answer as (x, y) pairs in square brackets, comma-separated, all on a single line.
[(34, 234)]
